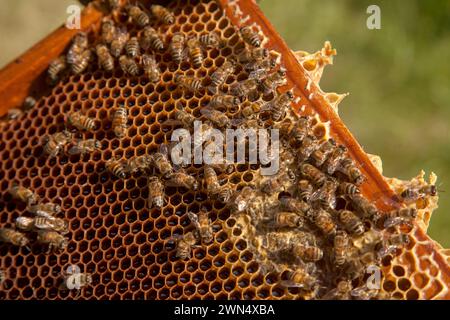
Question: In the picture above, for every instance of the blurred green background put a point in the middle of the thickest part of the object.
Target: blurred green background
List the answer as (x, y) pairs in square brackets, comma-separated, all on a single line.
[(398, 77)]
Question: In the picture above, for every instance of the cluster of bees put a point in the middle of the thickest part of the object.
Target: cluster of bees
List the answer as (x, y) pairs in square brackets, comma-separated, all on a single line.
[(50, 229), (310, 222)]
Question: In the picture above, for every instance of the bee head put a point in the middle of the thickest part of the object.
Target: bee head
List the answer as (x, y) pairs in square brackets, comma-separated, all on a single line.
[(290, 95)]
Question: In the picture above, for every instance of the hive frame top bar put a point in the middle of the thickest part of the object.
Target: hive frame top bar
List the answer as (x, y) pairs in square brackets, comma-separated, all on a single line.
[(26, 75)]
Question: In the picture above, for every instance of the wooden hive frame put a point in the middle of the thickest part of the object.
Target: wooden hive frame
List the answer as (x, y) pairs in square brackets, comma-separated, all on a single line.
[(25, 76)]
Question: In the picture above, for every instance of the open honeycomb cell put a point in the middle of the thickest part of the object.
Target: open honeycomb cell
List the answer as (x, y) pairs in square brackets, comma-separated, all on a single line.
[(113, 234)]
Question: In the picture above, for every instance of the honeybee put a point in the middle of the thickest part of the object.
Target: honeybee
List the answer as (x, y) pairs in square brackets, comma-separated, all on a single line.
[(351, 222), (220, 75), (363, 206), (85, 146), (246, 89), (23, 194), (185, 244), (14, 113), (188, 83), (56, 67), (304, 190), (116, 167), (182, 117), (251, 109), (13, 237), (203, 225), (29, 103), (42, 223), (161, 161), (325, 223), (224, 100), (138, 164), (348, 189), (212, 182), (209, 40), (283, 219), (151, 39), (334, 159), (73, 279), (176, 47), (364, 293), (307, 252), (396, 217), (108, 31), (132, 47), (273, 81), (195, 52), (326, 195), (414, 194), (155, 192), (249, 36), (242, 200), (279, 105), (128, 65), (225, 194), (313, 174), (300, 278), (341, 244), (77, 48), (119, 42), (299, 207), (163, 14), (258, 69), (218, 118), (46, 210), (54, 240), (182, 179), (105, 59), (55, 143), (82, 62), (252, 55), (2, 277), (275, 184), (151, 68), (392, 244), (309, 145), (320, 155), (222, 167), (138, 16), (120, 122), (300, 130), (348, 167), (80, 121), (341, 292)]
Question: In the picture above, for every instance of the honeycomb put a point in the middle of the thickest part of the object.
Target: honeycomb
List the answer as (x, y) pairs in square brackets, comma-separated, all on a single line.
[(113, 235)]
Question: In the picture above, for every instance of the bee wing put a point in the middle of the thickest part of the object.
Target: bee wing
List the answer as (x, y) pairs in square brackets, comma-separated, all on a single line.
[(392, 222), (363, 293), (292, 284), (267, 106), (207, 112), (75, 149), (237, 122), (315, 196), (193, 217)]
